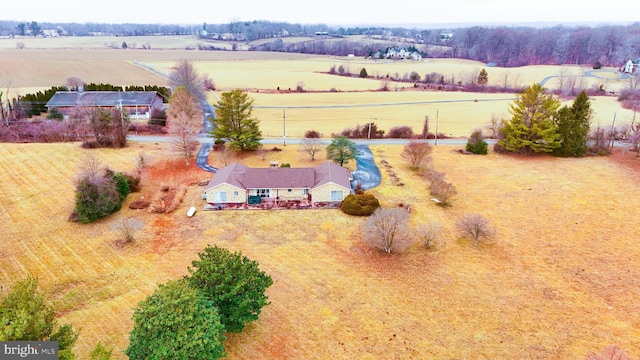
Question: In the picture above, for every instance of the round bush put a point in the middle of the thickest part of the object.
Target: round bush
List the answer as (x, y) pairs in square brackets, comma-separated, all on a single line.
[(360, 204)]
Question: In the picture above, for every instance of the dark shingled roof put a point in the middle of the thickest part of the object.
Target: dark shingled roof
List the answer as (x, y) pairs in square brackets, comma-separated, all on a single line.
[(245, 177), (102, 98)]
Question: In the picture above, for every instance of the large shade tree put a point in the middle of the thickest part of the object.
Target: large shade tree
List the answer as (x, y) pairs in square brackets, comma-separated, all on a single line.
[(183, 74), (342, 150), (531, 128), (185, 122), (234, 121)]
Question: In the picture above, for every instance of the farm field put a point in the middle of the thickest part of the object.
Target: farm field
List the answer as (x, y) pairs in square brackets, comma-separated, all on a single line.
[(560, 281), (355, 101)]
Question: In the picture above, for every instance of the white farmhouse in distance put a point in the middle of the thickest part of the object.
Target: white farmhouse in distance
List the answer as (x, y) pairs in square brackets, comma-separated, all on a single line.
[(631, 66)]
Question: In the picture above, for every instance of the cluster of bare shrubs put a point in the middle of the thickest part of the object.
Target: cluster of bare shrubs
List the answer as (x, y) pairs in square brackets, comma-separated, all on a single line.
[(440, 189), (388, 230), (48, 131), (395, 180), (435, 81), (169, 199)]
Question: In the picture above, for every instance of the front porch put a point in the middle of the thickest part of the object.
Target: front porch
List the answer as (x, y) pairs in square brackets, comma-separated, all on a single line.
[(273, 204)]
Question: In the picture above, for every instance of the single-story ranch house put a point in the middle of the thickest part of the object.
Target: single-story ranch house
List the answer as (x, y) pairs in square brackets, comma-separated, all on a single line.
[(239, 186), (138, 104)]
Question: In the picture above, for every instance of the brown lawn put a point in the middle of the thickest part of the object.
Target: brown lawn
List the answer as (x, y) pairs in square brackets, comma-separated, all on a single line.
[(560, 281), (355, 101)]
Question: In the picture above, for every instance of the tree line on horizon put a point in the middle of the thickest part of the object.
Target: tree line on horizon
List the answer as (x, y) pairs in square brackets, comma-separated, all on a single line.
[(510, 46)]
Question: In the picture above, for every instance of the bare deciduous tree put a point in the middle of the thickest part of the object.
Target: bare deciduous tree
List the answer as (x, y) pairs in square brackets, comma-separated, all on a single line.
[(495, 124), (476, 226), (141, 162), (185, 75), (20, 45), (74, 83), (227, 155), (428, 233), (185, 122), (441, 190), (127, 228), (312, 146), (416, 153), (388, 230), (90, 168)]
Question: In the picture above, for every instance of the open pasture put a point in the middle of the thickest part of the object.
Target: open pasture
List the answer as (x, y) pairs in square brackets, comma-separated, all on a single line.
[(355, 100), (560, 280)]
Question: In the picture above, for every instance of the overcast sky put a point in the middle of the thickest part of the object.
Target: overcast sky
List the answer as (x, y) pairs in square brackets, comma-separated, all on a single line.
[(330, 12)]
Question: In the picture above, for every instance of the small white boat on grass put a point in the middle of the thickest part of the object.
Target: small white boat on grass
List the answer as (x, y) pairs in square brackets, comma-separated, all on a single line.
[(191, 211)]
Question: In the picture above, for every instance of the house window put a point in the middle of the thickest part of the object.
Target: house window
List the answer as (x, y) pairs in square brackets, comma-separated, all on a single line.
[(305, 191), (336, 196), (288, 190), (235, 193), (219, 196), (263, 193)]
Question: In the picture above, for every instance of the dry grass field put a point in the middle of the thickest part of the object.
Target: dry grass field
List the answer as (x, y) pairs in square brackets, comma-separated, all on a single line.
[(560, 281), (356, 101)]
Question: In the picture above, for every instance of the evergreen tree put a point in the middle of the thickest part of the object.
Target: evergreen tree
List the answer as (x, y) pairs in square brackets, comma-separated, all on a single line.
[(176, 322), (232, 283), (234, 121), (532, 128), (363, 73), (476, 143), (573, 127), (25, 316), (483, 77)]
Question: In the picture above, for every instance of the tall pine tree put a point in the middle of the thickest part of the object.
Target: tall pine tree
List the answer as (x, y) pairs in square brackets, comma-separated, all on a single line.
[(573, 127), (532, 128), (234, 121)]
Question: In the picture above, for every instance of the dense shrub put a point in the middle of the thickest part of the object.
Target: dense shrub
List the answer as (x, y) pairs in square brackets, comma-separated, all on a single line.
[(100, 196), (134, 183), (54, 114), (400, 132), (311, 134), (359, 204), (95, 199), (158, 117), (368, 130), (476, 143)]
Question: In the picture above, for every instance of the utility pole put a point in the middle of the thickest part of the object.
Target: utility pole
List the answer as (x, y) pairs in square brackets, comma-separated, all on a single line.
[(436, 134), (612, 134), (284, 128)]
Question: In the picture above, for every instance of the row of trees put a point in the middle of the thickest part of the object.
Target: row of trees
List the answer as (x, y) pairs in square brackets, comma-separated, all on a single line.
[(505, 46), (188, 318)]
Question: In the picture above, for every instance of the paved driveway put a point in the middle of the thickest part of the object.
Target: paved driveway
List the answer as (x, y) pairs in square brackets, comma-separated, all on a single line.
[(367, 173)]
